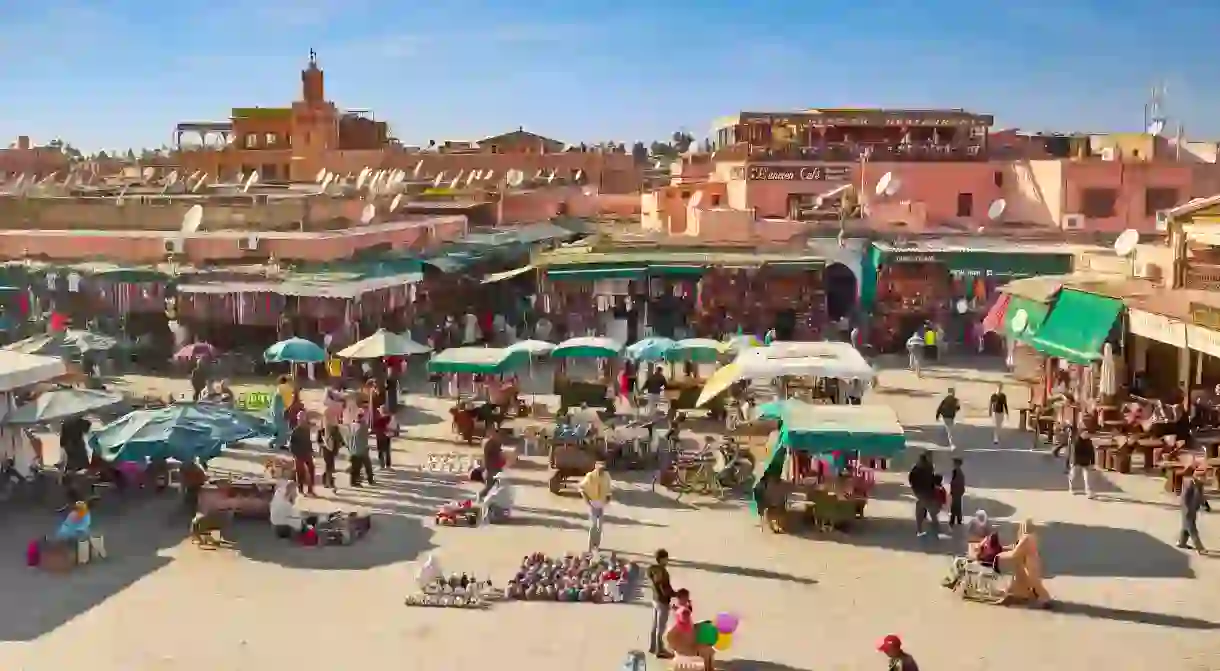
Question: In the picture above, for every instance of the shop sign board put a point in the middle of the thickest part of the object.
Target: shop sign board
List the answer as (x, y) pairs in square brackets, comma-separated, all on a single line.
[(1203, 340), (787, 173), (988, 264), (1157, 327)]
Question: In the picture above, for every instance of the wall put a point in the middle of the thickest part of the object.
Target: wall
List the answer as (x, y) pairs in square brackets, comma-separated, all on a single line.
[(1033, 190), (35, 162), (1131, 180), (527, 207), (209, 249)]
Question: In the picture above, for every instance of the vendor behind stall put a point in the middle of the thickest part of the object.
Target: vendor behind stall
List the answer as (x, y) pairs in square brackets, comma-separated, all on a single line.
[(654, 386)]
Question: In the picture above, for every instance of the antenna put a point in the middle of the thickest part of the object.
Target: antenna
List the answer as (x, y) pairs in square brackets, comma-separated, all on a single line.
[(514, 178), (191, 220), (1126, 242), (1154, 110)]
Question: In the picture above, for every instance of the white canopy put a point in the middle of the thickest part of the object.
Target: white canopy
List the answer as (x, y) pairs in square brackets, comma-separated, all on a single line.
[(382, 344), (814, 359), (21, 370)]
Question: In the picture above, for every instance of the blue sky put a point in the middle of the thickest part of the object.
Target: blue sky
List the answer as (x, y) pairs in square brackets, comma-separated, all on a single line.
[(106, 74)]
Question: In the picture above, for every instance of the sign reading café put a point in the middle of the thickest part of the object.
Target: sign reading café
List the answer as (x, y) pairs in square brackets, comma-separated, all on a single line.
[(810, 173)]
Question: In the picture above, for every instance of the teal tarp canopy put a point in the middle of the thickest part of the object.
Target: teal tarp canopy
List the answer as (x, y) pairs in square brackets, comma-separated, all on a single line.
[(871, 430), (605, 273), (183, 432), (478, 360)]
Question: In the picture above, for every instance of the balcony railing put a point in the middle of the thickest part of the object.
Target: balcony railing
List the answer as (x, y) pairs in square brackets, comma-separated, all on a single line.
[(854, 151)]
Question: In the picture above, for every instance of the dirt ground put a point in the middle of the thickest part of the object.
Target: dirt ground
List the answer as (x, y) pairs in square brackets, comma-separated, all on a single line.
[(1127, 598)]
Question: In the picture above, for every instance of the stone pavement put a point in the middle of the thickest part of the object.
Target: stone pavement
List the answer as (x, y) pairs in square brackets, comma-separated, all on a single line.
[(1128, 598)]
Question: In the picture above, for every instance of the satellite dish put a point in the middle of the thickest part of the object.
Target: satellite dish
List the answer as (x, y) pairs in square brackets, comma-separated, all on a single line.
[(148, 173), (961, 306), (454, 183), (514, 178), (241, 177), (696, 199), (326, 181), (551, 177), (172, 178), (439, 176), (192, 219), (364, 176), (320, 176), (118, 200), (579, 174), (883, 184), (1126, 242), (250, 181), (1020, 320), (997, 209), (418, 166), (538, 175), (489, 174), (471, 177), (199, 182), (394, 203), (368, 213)]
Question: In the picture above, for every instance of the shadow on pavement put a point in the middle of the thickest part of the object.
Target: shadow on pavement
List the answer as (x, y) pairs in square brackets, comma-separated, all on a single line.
[(754, 665), (742, 571), (410, 415), (394, 538), (1133, 616), (1067, 549), (39, 602)]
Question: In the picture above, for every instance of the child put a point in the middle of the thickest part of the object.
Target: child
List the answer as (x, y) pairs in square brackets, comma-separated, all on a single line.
[(957, 490)]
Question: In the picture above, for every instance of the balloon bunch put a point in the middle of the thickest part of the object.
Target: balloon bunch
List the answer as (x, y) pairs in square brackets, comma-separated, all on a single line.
[(717, 633)]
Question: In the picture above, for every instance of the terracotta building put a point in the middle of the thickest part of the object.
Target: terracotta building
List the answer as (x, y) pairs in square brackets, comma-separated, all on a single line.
[(25, 159), (294, 143)]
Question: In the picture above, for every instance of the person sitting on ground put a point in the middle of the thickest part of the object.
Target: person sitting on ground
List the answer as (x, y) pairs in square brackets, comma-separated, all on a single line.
[(286, 519), (681, 635), (1024, 561), (76, 524)]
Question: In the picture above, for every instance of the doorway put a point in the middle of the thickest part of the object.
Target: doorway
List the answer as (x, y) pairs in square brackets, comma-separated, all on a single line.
[(785, 324), (841, 291)]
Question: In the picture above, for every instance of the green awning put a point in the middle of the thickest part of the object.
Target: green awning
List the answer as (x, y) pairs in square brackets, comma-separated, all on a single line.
[(676, 270), (605, 273), (1077, 326), (1035, 315)]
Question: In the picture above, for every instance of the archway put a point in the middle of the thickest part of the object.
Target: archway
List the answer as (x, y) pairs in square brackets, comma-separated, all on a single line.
[(842, 290)]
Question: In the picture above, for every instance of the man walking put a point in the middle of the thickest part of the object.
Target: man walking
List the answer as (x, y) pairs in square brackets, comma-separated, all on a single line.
[(358, 450), (998, 407), (596, 489), (922, 479), (1192, 500), (493, 460), (915, 353), (662, 593), (946, 412)]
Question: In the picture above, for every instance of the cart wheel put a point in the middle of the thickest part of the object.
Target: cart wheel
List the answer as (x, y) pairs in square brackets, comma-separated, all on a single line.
[(556, 483)]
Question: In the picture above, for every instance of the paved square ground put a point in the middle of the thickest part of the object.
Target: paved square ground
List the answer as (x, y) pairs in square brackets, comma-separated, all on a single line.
[(1128, 598)]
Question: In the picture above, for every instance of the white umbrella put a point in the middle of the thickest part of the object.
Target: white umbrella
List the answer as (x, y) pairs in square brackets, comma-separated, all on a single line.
[(382, 344), (1109, 377), (534, 347)]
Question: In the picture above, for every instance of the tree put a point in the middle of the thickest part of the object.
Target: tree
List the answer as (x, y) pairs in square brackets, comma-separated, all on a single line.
[(662, 150), (131, 156), (682, 141), (639, 152)]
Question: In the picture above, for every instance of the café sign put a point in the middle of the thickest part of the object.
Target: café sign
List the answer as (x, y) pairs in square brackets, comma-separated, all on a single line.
[(809, 173)]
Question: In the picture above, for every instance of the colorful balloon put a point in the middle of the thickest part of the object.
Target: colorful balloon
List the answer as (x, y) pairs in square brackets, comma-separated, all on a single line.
[(706, 634), (726, 623), (724, 642)]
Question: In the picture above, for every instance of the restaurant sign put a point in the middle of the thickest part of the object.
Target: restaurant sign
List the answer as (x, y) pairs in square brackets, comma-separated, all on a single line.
[(1157, 327), (1205, 316), (807, 173)]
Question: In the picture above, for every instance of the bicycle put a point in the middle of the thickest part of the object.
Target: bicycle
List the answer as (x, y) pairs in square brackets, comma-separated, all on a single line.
[(698, 472)]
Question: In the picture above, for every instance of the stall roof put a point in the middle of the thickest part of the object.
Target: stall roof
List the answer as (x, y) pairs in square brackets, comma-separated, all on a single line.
[(584, 256), (21, 370), (320, 286), (1043, 288)]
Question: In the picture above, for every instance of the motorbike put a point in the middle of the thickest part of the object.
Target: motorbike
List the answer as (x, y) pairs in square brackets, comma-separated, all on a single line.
[(736, 470)]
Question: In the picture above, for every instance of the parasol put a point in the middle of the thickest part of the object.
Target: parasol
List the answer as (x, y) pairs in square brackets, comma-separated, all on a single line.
[(383, 344), (294, 350), (60, 404), (198, 350), (650, 349), (589, 347), (534, 347)]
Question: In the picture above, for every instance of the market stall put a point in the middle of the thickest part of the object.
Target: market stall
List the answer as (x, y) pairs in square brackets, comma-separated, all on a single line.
[(573, 393), (473, 418), (830, 360), (824, 449)]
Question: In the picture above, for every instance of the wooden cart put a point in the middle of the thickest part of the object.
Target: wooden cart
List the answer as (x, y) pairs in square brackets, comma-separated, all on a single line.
[(570, 460), (573, 393)]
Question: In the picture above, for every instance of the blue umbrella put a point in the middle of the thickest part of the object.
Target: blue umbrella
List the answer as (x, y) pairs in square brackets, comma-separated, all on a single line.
[(182, 432), (650, 349), (294, 350)]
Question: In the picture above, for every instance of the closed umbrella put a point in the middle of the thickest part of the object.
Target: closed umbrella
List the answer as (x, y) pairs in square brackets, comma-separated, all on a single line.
[(294, 350), (60, 404), (1108, 385)]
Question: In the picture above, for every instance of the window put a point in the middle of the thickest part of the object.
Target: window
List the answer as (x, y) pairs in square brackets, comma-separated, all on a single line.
[(269, 171), (270, 139), (965, 204), (1098, 203), (251, 141), (998, 178), (685, 195), (716, 200), (1159, 198)]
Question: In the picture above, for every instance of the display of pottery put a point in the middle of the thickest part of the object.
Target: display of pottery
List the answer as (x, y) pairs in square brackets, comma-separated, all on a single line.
[(458, 514), (455, 591), (451, 463), (572, 578)]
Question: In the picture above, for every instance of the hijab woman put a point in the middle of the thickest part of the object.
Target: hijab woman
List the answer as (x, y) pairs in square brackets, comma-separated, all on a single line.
[(681, 635)]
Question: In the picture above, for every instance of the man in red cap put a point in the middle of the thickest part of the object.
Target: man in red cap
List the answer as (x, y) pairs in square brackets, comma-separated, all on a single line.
[(899, 660)]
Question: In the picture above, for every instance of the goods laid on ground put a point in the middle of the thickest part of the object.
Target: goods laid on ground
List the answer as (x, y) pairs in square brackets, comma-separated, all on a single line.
[(455, 591), (458, 514), (451, 463), (572, 578)]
